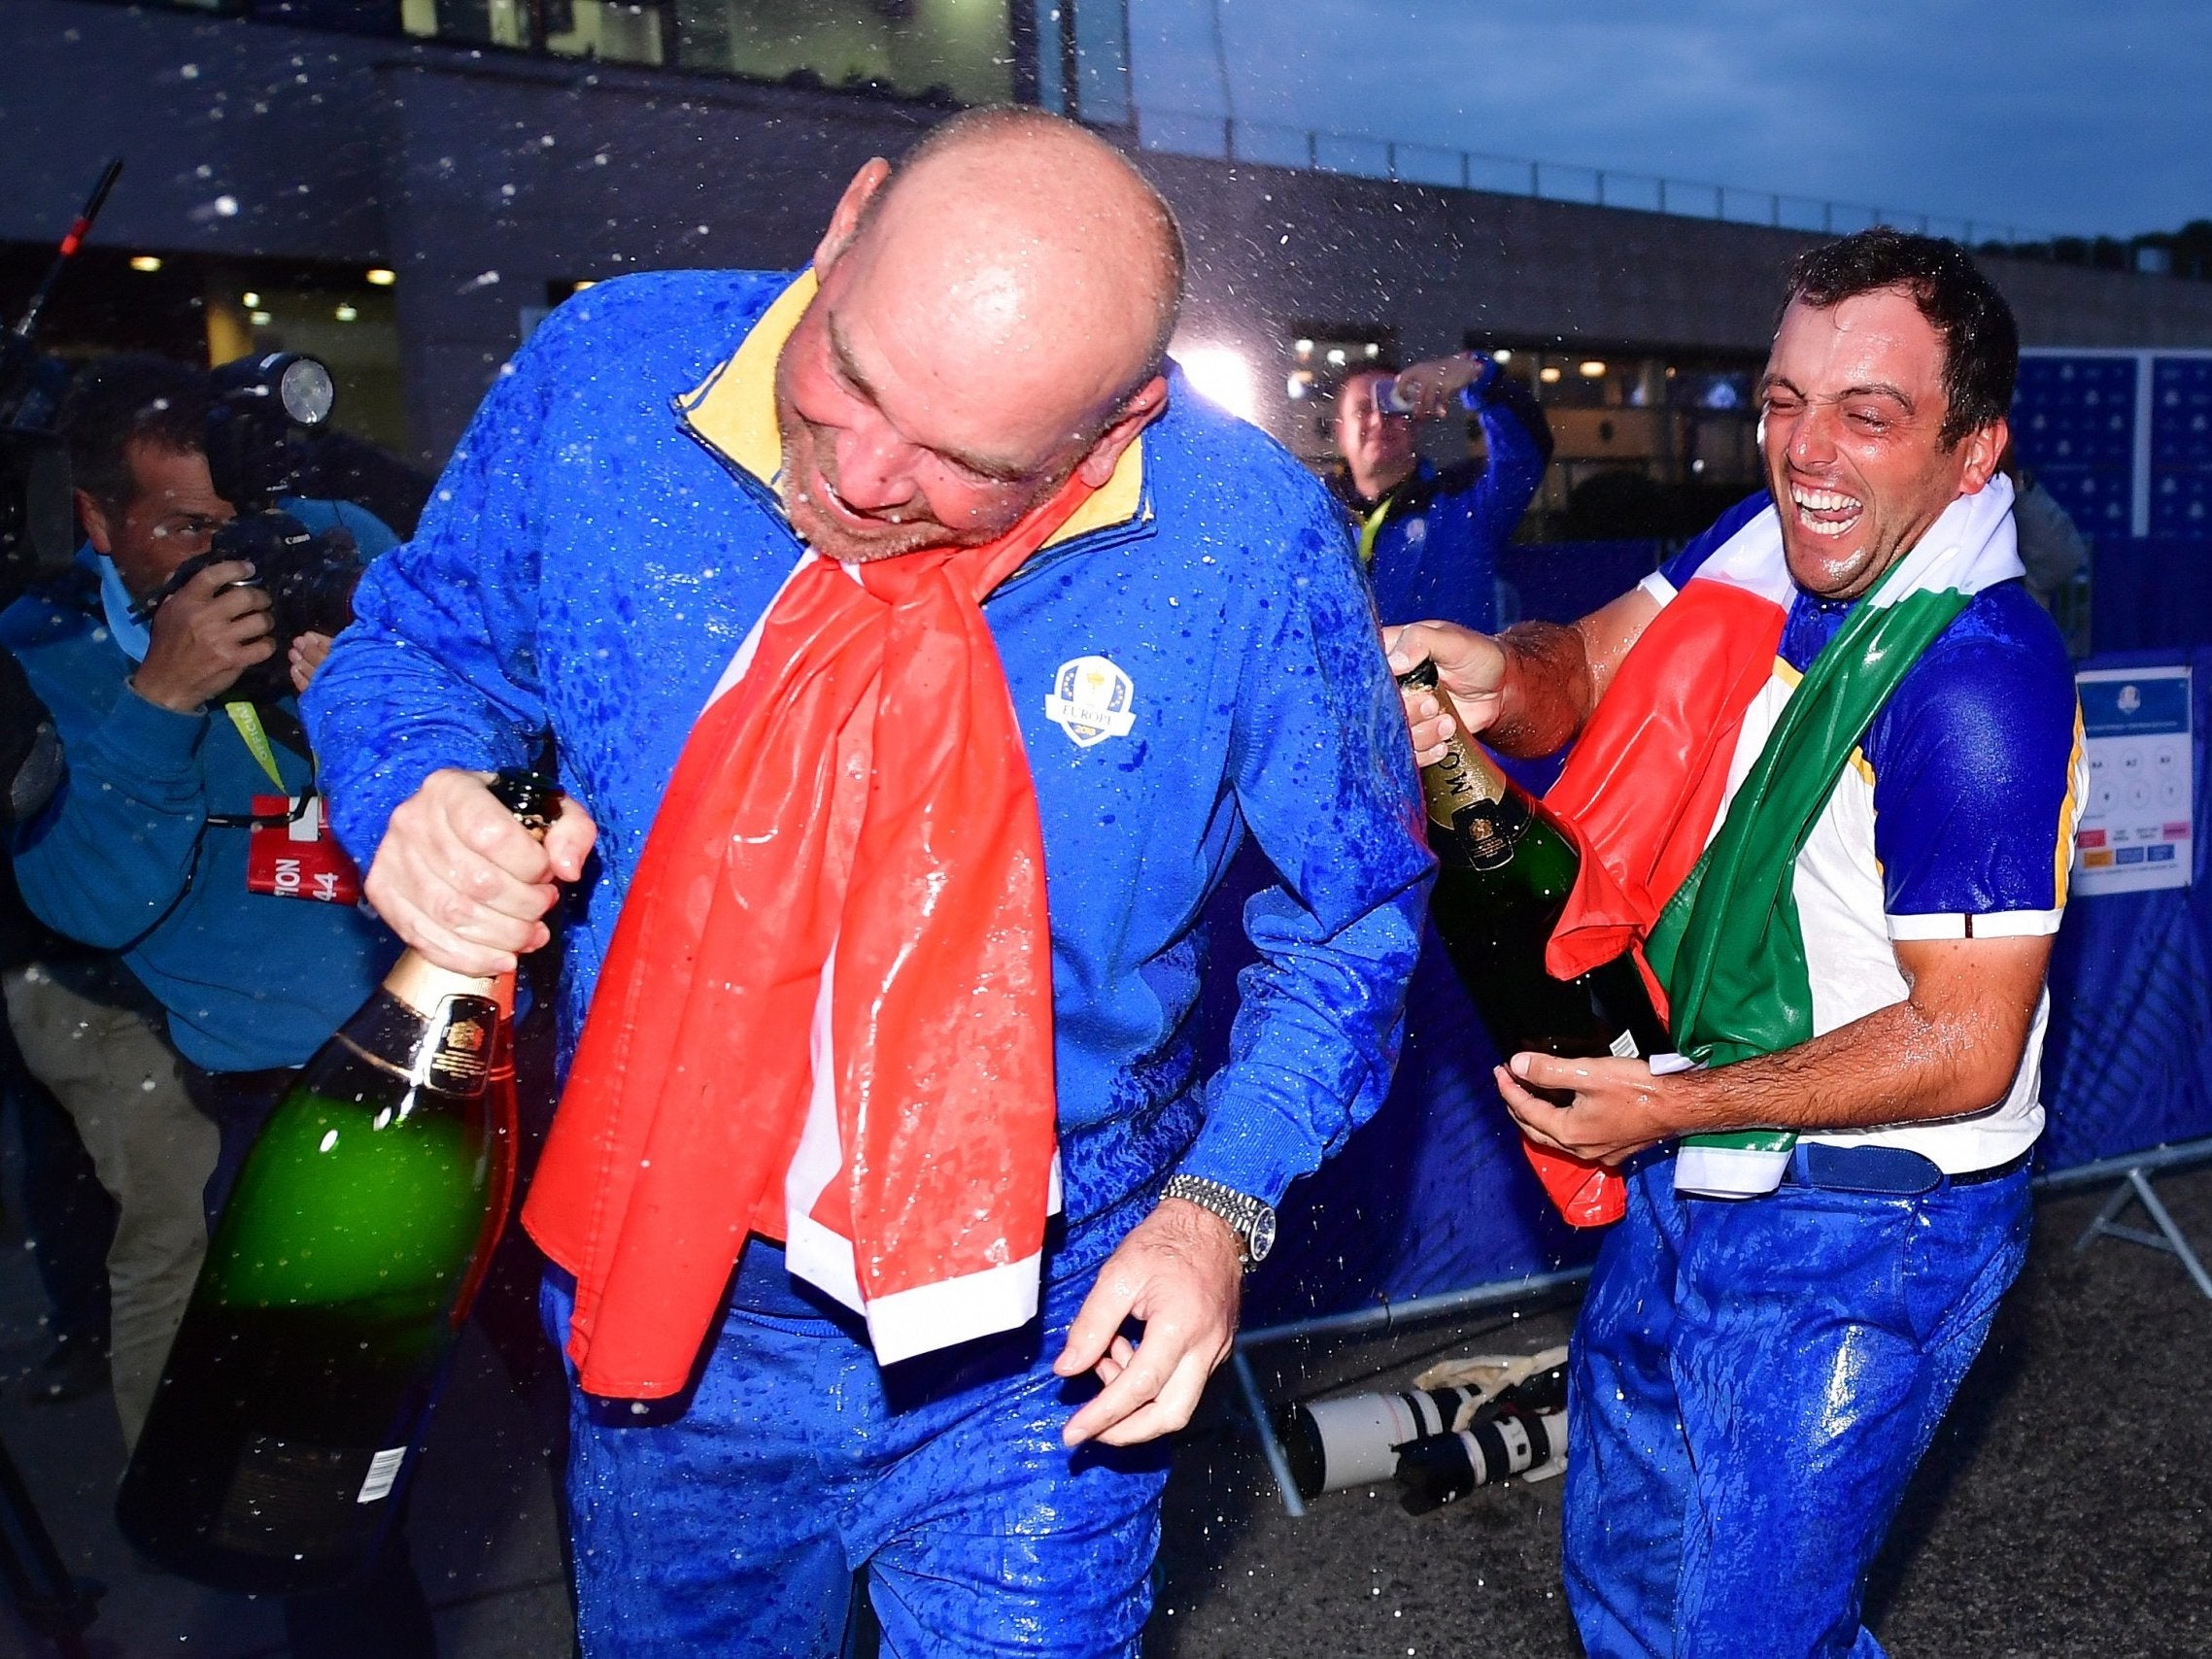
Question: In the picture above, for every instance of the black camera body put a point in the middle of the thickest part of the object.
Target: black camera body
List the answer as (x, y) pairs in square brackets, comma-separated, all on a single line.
[(262, 409), (308, 576)]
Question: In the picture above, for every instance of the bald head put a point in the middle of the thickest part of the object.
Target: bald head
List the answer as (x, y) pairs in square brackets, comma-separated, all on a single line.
[(1020, 184), (992, 316)]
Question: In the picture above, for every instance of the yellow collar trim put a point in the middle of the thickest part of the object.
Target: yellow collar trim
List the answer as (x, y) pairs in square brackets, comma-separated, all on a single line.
[(734, 410)]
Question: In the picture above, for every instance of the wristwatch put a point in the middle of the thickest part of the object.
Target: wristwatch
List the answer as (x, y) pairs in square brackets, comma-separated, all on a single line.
[(1251, 1221)]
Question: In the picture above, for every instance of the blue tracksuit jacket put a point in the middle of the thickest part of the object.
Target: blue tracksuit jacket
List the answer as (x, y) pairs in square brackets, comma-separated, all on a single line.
[(606, 534)]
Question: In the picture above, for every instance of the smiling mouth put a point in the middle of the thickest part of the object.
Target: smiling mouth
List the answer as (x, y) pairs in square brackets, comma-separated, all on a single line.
[(1824, 512), (824, 495)]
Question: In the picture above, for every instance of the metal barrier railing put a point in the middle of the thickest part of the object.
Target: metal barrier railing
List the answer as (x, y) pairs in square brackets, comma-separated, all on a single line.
[(1224, 138)]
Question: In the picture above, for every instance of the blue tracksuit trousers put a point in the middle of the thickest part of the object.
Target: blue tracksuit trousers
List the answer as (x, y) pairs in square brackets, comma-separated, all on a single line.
[(732, 1520), (1753, 1383)]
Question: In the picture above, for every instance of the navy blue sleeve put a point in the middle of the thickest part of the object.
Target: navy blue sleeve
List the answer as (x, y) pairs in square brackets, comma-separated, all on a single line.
[(1520, 441), (1977, 761)]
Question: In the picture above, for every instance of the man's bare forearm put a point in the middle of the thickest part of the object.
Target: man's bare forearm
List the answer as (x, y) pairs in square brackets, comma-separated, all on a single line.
[(1547, 691), (1893, 1066)]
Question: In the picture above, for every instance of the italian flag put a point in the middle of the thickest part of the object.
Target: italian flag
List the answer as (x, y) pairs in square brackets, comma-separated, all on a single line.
[(1705, 767)]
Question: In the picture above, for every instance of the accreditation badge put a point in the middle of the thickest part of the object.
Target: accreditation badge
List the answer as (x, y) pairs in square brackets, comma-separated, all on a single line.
[(292, 854)]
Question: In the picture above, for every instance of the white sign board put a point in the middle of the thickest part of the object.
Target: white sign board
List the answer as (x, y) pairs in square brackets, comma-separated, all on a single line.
[(2137, 830)]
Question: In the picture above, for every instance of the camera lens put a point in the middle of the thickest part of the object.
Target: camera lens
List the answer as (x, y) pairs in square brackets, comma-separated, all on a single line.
[(306, 391)]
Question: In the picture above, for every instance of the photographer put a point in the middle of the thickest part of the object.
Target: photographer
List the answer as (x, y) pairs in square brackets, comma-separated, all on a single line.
[(183, 747), (1428, 535), (144, 849)]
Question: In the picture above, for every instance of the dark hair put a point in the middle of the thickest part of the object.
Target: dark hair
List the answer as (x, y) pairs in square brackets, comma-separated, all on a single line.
[(154, 401), (1981, 342)]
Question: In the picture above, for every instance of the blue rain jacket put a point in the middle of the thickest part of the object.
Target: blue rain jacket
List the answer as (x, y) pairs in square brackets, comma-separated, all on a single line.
[(123, 858), (1192, 658)]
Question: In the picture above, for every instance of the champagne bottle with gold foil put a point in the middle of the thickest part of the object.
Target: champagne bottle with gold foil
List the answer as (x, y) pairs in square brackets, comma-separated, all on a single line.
[(301, 1384), (1506, 867)]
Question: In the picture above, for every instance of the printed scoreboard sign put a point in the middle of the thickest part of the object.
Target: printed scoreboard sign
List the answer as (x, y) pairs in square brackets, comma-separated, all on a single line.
[(2137, 829)]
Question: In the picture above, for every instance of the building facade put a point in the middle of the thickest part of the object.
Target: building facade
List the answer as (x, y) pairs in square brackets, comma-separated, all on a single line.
[(405, 185)]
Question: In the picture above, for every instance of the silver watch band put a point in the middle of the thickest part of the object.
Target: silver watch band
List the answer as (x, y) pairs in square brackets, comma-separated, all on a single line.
[(1247, 1217)]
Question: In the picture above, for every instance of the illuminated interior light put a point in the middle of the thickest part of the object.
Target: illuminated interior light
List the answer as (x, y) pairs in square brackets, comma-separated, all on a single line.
[(382, 277), (346, 313), (145, 262), (1549, 374), (1592, 369), (1223, 375)]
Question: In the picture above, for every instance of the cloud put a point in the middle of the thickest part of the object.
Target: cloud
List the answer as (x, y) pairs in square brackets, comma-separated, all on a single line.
[(2046, 114)]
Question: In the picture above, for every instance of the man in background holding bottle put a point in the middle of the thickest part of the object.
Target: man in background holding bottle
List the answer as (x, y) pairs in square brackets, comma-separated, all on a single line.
[(1430, 536), (1826, 765), (910, 582)]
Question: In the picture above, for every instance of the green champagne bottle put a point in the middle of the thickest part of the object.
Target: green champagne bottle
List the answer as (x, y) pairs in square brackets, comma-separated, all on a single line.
[(301, 1380), (1505, 865)]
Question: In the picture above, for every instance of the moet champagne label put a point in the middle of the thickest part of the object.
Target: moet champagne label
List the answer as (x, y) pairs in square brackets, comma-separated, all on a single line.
[(1467, 795), (459, 1055)]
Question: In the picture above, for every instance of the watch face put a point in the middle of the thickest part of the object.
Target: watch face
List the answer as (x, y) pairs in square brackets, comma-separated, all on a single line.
[(1262, 1239)]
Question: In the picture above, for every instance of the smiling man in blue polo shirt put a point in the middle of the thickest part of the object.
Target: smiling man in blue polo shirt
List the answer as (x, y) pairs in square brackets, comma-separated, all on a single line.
[(672, 465)]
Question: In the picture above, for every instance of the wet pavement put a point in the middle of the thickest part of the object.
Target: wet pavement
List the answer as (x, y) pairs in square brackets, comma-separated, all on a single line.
[(2065, 1509)]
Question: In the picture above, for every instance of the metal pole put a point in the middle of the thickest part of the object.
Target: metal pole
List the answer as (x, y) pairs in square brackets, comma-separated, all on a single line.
[(2174, 1239), (1390, 157), (1778, 210), (1270, 1449), (2106, 1169), (1601, 186), (1313, 149), (1229, 138), (1389, 1315), (1662, 195), (1466, 177)]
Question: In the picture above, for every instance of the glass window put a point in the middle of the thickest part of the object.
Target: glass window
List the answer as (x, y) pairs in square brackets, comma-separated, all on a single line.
[(956, 50)]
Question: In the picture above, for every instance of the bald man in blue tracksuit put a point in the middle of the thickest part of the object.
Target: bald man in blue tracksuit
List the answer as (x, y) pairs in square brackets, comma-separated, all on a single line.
[(608, 531)]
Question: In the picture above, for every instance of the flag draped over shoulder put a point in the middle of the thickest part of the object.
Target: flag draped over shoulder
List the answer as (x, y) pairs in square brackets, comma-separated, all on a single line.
[(825, 1014), (1708, 761)]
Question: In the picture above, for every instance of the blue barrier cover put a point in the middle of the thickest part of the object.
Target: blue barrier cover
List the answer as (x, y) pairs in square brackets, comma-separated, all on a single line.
[(2151, 592), (2127, 1062)]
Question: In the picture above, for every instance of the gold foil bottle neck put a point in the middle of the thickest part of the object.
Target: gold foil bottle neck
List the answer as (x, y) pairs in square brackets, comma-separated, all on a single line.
[(1466, 776), (422, 985)]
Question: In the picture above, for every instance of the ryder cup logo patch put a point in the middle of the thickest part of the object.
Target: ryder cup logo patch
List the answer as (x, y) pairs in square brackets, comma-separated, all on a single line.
[(1091, 702)]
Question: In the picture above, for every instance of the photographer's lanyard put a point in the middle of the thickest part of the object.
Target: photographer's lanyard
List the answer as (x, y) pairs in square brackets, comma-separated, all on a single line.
[(1372, 527), (248, 719)]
